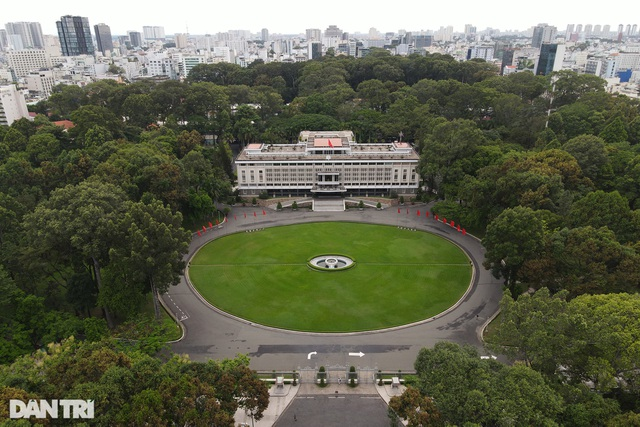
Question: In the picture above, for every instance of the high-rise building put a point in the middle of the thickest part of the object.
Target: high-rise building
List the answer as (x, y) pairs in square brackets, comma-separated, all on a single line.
[(588, 30), (569, 31), (181, 40), (551, 57), (4, 40), (30, 33), (314, 34), (153, 32), (315, 50), (543, 33), (75, 36), (22, 62), (333, 31), (103, 38), (264, 34), (12, 105), (135, 39)]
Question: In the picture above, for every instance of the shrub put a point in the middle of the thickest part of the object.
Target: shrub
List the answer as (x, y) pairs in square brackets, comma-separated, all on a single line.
[(361, 205), (352, 376), (402, 200), (294, 205), (279, 206), (379, 205), (264, 195), (254, 201)]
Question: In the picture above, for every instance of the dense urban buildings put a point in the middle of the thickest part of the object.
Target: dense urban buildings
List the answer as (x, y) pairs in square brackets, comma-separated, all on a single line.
[(76, 56), (328, 163)]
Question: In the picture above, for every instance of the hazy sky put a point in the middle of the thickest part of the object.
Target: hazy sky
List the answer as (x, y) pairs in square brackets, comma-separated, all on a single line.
[(288, 17)]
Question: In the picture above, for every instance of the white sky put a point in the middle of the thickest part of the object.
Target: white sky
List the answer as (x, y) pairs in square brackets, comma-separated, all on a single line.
[(289, 17)]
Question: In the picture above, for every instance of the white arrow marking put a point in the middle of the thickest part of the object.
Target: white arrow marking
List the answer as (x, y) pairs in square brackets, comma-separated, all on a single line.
[(360, 354), (311, 354)]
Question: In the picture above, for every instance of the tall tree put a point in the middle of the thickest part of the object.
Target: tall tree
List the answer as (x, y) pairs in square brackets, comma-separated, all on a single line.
[(77, 225), (512, 238), (152, 246)]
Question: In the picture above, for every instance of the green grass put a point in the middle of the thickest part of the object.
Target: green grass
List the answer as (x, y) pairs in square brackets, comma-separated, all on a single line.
[(400, 276)]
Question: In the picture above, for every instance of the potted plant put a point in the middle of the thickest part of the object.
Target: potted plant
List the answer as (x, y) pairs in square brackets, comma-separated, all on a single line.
[(294, 206), (379, 206), (352, 376), (254, 201), (321, 375), (360, 205), (279, 206)]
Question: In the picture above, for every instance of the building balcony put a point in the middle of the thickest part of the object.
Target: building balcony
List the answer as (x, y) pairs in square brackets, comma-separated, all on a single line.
[(328, 188)]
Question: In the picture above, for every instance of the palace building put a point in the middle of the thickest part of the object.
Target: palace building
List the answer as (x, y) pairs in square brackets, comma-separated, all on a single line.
[(328, 163)]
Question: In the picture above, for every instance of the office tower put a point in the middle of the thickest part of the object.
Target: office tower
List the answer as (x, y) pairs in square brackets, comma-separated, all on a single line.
[(597, 30), (103, 38), (75, 35), (313, 34), (333, 31), (135, 39), (551, 57), (422, 40), (30, 34), (634, 29), (264, 34), (507, 59), (315, 50), (543, 33)]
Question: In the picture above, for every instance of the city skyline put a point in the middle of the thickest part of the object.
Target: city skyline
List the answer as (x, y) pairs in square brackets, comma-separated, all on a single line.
[(293, 18)]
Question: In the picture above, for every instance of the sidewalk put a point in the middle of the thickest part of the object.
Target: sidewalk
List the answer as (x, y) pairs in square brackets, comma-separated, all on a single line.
[(281, 398)]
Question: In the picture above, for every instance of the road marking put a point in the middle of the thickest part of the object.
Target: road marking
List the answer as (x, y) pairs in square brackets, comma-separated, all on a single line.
[(360, 354), (311, 354)]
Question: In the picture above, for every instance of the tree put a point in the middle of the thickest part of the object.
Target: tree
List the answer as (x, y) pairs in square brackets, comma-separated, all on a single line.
[(583, 260), (614, 132), (152, 246), (570, 86), (531, 329), (139, 109), (417, 410), (86, 117), (65, 99), (591, 154), (602, 209), (511, 239), (76, 226), (466, 388)]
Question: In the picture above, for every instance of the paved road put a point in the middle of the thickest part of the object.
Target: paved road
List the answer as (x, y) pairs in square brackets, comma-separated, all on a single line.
[(214, 335)]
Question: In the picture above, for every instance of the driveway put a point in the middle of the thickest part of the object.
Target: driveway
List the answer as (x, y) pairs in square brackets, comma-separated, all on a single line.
[(210, 334)]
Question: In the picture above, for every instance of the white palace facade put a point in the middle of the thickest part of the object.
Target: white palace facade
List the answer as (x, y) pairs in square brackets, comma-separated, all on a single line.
[(328, 163)]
